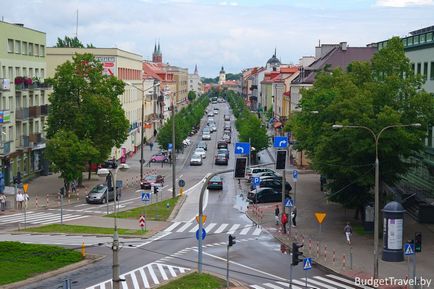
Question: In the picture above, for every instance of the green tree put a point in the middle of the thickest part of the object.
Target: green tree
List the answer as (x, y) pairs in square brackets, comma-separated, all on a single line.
[(191, 95), (85, 102), (71, 42), (374, 95)]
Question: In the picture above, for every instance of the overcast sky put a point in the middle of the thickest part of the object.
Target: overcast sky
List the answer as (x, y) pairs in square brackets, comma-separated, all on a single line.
[(210, 33)]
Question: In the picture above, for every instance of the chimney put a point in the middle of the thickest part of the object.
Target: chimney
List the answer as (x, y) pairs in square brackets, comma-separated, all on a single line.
[(343, 46)]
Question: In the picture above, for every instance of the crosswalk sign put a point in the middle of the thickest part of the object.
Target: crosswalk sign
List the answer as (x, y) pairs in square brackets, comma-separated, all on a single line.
[(289, 203), (408, 249), (146, 196), (307, 263)]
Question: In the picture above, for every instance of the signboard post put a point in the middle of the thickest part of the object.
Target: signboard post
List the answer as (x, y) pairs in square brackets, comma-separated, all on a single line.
[(295, 179), (409, 250), (307, 265), (142, 222), (320, 217)]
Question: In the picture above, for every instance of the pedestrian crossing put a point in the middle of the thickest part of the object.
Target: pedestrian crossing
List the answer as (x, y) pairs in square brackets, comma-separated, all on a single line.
[(329, 281), (147, 276), (215, 228), (38, 218)]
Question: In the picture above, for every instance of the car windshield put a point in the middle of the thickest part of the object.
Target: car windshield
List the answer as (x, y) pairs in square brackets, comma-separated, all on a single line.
[(215, 179), (196, 156), (221, 156), (199, 150), (150, 178), (98, 189)]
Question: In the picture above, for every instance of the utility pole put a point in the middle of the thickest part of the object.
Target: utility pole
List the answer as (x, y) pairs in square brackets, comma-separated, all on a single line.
[(173, 150)]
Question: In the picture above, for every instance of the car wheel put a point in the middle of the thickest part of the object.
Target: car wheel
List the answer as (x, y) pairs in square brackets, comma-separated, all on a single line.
[(166, 160), (152, 160), (103, 201), (118, 197)]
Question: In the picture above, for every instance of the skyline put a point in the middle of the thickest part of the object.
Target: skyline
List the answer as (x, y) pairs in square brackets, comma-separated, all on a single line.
[(235, 34)]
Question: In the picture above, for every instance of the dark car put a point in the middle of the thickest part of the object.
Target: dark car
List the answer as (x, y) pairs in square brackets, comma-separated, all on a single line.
[(151, 180), (274, 184), (221, 159), (100, 194), (227, 128), (264, 195), (222, 144), (227, 117), (110, 164), (227, 138), (202, 144), (223, 151), (216, 183)]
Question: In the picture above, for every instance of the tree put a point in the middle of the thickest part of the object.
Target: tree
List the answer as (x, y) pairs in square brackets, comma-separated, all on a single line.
[(191, 95), (85, 102), (71, 42), (374, 95)]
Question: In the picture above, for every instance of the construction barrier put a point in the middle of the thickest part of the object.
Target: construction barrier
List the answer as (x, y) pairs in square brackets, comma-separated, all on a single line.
[(325, 253), (48, 202), (334, 257), (310, 246), (343, 262), (317, 250)]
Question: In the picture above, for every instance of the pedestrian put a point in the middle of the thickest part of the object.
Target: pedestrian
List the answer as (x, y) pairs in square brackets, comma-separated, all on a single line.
[(26, 199), (348, 232), (151, 145), (155, 132), (19, 199), (74, 186), (284, 222), (293, 216), (322, 181), (277, 214), (2, 201)]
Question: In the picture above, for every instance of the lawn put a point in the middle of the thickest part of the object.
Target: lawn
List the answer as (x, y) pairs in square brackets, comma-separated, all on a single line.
[(196, 281), (153, 212), (21, 261), (57, 228)]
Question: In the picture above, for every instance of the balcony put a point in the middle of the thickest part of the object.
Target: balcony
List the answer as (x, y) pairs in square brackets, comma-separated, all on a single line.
[(35, 138), (26, 83), (44, 109), (22, 114), (34, 111), (5, 148), (22, 142)]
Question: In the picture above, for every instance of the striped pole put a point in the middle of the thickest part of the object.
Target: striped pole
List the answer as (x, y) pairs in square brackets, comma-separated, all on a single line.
[(48, 203), (325, 252), (334, 257), (343, 262), (310, 246), (36, 202), (317, 250)]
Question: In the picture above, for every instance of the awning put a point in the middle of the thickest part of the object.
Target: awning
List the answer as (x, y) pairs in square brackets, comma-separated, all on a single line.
[(277, 124)]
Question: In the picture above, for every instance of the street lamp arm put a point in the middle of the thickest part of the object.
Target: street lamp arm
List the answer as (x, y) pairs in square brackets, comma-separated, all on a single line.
[(142, 90)]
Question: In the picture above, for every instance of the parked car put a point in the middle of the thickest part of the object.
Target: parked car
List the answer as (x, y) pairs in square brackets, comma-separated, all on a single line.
[(186, 142), (110, 164), (196, 160), (203, 145), (215, 183), (210, 120), (201, 152), (206, 136), (210, 113), (159, 158), (151, 180), (227, 117), (264, 195), (274, 184), (266, 174), (227, 128), (223, 151), (222, 144), (221, 159), (251, 171), (100, 194)]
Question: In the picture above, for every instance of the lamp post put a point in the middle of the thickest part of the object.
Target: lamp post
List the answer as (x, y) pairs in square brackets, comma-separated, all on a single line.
[(173, 149), (377, 181), (143, 112), (115, 245)]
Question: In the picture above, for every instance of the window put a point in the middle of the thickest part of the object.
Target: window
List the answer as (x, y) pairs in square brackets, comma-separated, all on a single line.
[(422, 38), (30, 48), (17, 71), (432, 71), (42, 51), (36, 49), (24, 47), (25, 71), (416, 39), (17, 47), (419, 68), (429, 37), (10, 46), (425, 70), (10, 72), (410, 41)]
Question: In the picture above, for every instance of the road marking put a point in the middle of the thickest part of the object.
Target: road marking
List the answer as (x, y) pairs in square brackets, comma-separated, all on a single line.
[(173, 226), (145, 280), (257, 287), (182, 229), (257, 231), (287, 285), (336, 283), (195, 228), (221, 228), (210, 227), (155, 239), (245, 230), (310, 280), (134, 279), (153, 276), (233, 229), (272, 286), (81, 205), (162, 272)]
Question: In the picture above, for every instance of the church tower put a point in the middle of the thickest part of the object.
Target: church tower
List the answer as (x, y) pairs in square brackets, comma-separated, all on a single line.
[(157, 56), (222, 76)]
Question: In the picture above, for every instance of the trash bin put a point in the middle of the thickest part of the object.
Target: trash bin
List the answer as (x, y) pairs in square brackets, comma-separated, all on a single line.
[(368, 222)]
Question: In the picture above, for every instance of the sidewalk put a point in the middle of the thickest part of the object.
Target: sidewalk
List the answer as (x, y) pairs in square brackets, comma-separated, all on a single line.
[(329, 247)]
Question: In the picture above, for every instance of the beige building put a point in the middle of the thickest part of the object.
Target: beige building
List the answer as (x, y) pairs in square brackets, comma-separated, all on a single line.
[(126, 66), (180, 76), (23, 101)]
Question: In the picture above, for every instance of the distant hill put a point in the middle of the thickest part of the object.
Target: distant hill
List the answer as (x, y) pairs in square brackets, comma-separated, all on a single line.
[(229, 76)]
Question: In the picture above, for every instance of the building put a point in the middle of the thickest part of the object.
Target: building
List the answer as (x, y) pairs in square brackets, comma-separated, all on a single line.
[(23, 101), (222, 76), (195, 83), (125, 66)]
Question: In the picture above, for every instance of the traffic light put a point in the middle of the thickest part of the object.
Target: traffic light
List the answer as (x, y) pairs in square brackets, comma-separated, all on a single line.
[(418, 242), (296, 253), (240, 167), (62, 191), (280, 160), (156, 190), (231, 240)]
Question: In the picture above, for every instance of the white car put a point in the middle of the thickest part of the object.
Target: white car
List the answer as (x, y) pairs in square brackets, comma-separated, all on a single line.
[(201, 152), (206, 136), (196, 159), (186, 142), (211, 113)]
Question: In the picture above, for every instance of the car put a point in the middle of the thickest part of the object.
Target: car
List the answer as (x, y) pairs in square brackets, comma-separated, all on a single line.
[(210, 113), (274, 184), (151, 181), (265, 195), (252, 171), (227, 123), (227, 128), (216, 111), (159, 158), (201, 152), (186, 142), (215, 183), (223, 151), (267, 174), (227, 138), (222, 144), (206, 130), (213, 127), (221, 159), (110, 164), (203, 145), (211, 119), (100, 194), (206, 136), (226, 131), (227, 117), (196, 160)]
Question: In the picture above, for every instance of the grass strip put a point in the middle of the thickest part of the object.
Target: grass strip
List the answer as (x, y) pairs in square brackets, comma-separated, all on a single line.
[(196, 281), (154, 212), (73, 229), (21, 261)]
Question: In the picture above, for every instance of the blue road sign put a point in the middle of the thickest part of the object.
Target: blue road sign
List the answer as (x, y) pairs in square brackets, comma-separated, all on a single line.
[(181, 183), (242, 148), (203, 234), (169, 147), (408, 249), (289, 203), (255, 182), (146, 196), (280, 142), (307, 263), (295, 175)]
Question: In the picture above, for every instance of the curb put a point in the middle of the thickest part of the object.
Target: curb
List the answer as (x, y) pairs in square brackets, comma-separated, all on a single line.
[(177, 207), (89, 260)]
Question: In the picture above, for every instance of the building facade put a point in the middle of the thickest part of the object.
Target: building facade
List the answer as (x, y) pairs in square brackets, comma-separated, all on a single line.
[(194, 82), (23, 101)]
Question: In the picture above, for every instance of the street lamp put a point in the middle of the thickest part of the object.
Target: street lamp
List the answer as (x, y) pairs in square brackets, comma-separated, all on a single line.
[(377, 181), (115, 246), (141, 131)]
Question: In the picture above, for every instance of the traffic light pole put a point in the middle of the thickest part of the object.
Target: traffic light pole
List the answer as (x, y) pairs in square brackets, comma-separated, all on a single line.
[(227, 266), (290, 274)]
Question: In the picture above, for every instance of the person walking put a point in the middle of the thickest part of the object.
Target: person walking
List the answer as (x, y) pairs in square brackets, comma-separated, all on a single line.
[(348, 232), (74, 186), (2, 201), (26, 200), (284, 222), (277, 214), (293, 216), (20, 199), (151, 145)]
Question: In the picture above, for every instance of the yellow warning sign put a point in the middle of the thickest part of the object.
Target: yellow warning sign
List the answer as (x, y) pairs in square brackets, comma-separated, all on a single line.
[(25, 187), (203, 219), (320, 216)]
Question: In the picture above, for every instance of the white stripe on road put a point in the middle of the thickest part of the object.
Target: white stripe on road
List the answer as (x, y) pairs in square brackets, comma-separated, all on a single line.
[(272, 286), (336, 283), (182, 229), (65, 220), (162, 272), (257, 287), (221, 228), (153, 276), (318, 283), (210, 227), (154, 239), (233, 229), (172, 272), (287, 285), (173, 226), (245, 230), (134, 279), (195, 228), (144, 278), (257, 231)]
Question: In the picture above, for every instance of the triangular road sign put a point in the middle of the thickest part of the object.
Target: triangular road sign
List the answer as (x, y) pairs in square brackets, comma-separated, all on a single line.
[(307, 263), (409, 250), (289, 203)]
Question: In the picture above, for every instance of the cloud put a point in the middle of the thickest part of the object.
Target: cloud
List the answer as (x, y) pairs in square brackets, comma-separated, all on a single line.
[(403, 3)]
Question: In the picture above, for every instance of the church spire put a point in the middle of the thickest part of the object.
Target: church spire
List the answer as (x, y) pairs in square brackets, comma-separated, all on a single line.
[(155, 47), (275, 53), (158, 49), (195, 69)]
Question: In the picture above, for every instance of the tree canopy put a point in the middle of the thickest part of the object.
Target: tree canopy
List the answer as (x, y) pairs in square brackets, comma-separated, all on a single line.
[(375, 94), (71, 42)]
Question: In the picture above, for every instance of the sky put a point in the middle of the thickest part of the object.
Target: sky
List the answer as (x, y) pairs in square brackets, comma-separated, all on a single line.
[(236, 34)]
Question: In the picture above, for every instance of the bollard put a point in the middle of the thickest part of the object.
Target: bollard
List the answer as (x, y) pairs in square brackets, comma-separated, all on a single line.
[(343, 262), (83, 250), (36, 202), (48, 203), (69, 199), (325, 253), (317, 250), (334, 257), (78, 195), (310, 246)]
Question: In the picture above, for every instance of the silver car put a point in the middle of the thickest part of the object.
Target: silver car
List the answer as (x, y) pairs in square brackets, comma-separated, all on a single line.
[(196, 160), (206, 136), (201, 152)]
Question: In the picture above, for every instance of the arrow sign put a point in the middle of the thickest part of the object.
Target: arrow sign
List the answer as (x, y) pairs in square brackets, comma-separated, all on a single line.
[(408, 249), (289, 203), (181, 183), (169, 147), (307, 263), (146, 196), (294, 176), (280, 142), (242, 148), (142, 221), (203, 234)]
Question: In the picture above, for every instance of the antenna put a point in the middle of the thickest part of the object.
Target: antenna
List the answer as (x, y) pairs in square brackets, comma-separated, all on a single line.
[(76, 26)]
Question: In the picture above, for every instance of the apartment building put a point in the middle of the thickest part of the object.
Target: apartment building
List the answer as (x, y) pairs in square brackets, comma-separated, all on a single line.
[(194, 82)]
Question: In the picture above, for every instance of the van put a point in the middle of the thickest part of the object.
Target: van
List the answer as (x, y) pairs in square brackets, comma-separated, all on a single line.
[(221, 144)]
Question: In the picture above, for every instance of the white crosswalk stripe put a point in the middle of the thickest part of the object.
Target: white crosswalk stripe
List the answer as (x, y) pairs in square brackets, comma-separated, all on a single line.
[(329, 281), (35, 218), (215, 228), (149, 275)]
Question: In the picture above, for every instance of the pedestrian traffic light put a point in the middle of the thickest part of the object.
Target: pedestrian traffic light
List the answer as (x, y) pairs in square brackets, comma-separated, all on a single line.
[(418, 242), (296, 253), (240, 167), (62, 191), (156, 190), (280, 160), (231, 240)]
